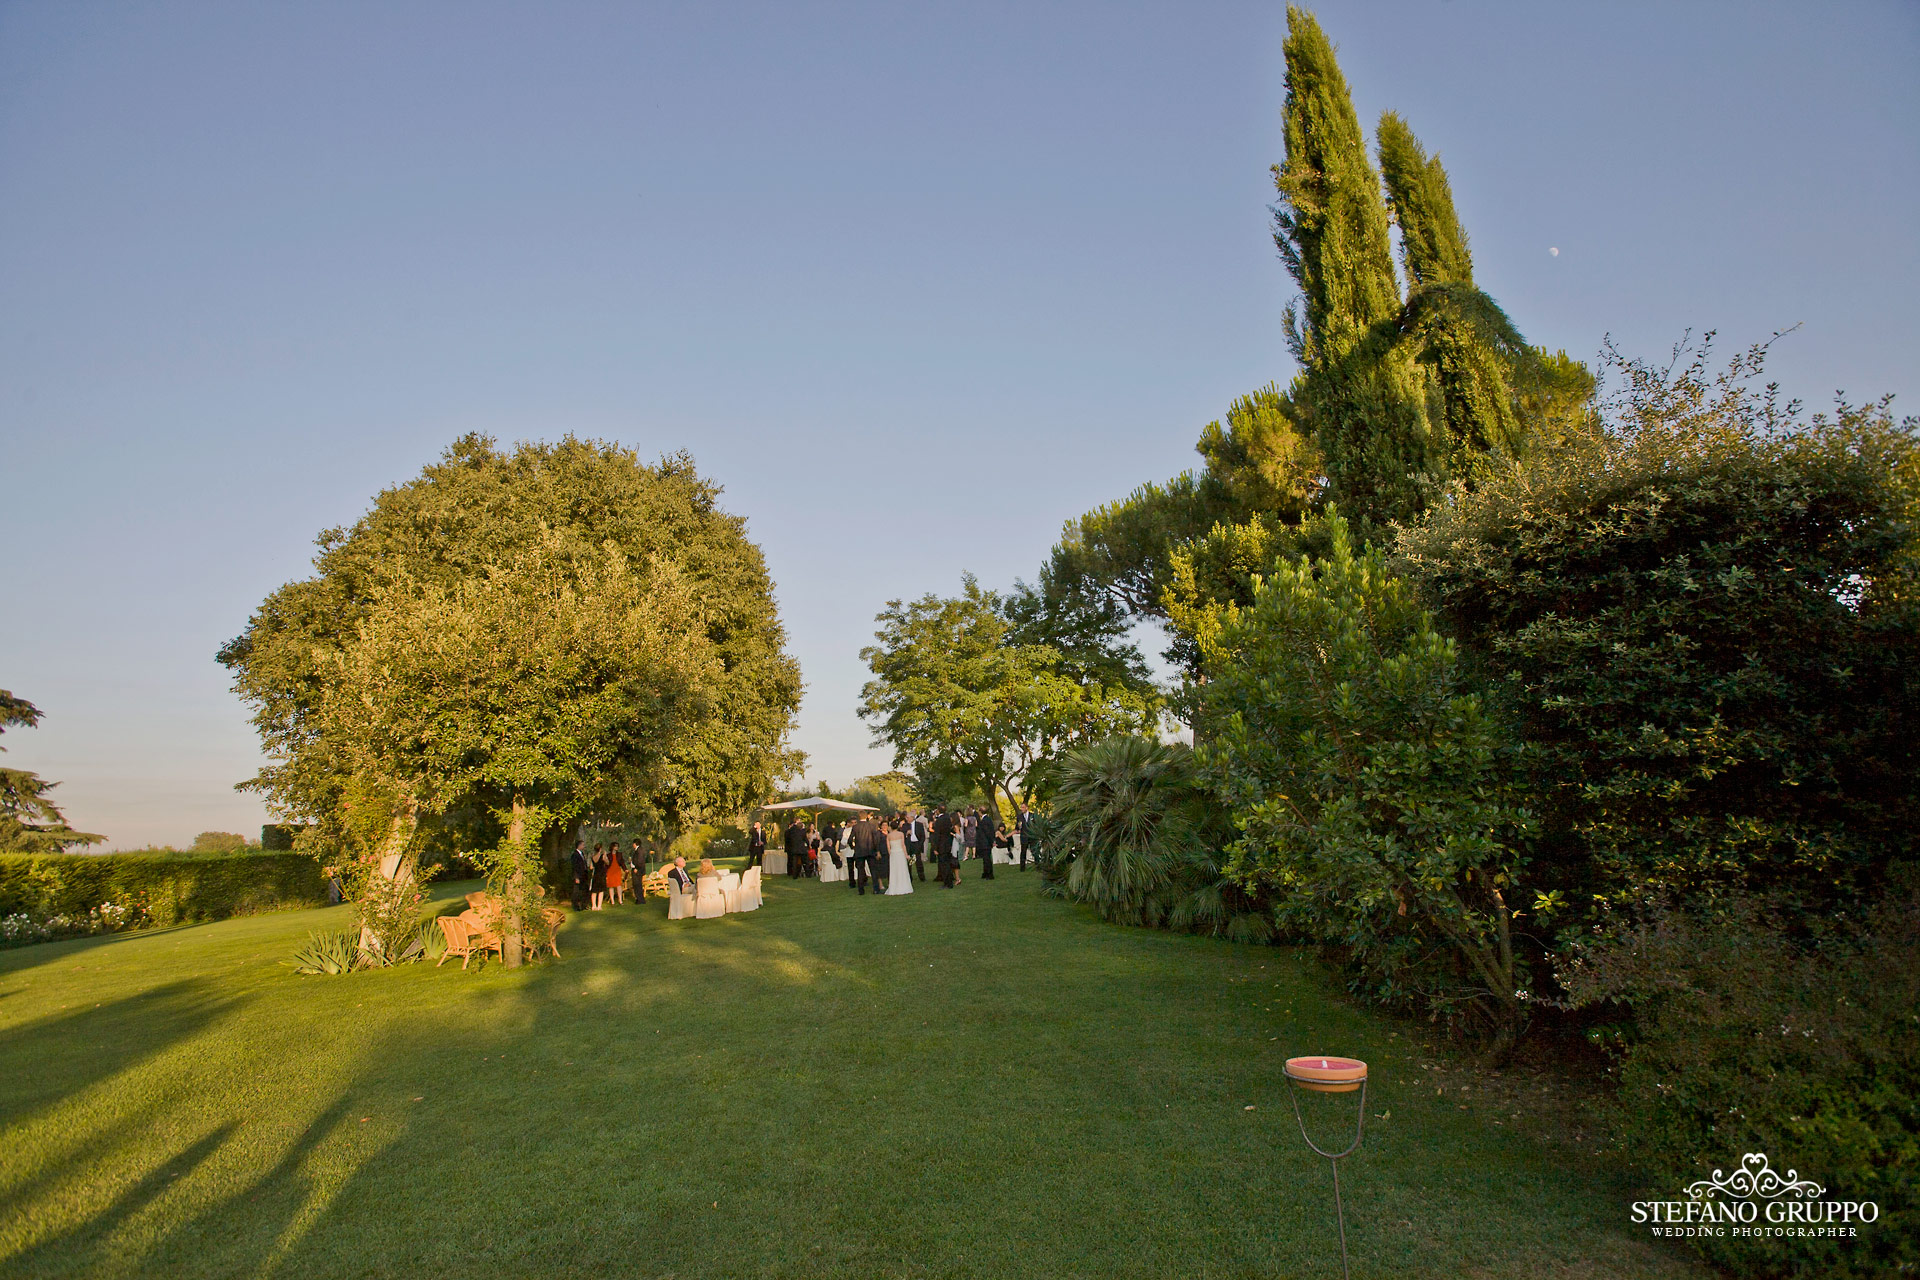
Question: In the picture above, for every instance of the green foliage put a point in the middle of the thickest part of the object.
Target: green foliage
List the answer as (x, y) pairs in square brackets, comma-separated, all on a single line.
[(556, 630), (1368, 782), (1702, 612), (22, 928), (29, 820), (962, 701), (565, 543), (173, 888), (276, 837), (1746, 1040), (333, 952), (1129, 831), (1398, 395), (222, 842)]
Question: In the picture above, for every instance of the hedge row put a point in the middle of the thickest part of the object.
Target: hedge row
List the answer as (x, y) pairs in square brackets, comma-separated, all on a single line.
[(175, 887)]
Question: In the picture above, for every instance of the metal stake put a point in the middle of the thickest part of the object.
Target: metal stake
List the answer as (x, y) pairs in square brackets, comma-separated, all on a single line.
[(1333, 1158)]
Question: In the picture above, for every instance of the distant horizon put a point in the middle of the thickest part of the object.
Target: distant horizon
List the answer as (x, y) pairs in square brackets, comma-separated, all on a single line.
[(998, 266)]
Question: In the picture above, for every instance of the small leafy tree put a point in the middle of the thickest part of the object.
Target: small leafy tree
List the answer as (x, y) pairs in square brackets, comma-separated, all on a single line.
[(961, 699), (1369, 783)]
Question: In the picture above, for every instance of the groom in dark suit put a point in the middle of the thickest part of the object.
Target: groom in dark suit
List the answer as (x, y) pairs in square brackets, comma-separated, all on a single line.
[(865, 837), (983, 843), (917, 844)]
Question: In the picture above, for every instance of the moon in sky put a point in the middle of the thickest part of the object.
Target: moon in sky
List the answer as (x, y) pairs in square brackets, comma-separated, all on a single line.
[(1554, 252)]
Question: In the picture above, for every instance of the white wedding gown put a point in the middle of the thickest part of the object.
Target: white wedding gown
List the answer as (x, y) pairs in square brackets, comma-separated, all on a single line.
[(899, 868)]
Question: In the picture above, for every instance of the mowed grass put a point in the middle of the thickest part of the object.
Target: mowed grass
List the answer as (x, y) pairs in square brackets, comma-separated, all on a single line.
[(976, 1083)]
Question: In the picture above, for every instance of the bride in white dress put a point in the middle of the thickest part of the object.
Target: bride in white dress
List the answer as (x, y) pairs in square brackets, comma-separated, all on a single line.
[(899, 870)]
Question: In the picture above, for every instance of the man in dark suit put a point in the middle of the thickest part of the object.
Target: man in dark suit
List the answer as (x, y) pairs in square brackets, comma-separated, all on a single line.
[(983, 843), (582, 876), (864, 835), (943, 847), (1025, 831), (677, 874), (917, 844), (796, 843)]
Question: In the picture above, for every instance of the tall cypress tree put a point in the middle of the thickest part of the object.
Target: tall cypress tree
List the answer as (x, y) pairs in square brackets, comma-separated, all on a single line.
[(1465, 340), (1363, 400), (1330, 225), (1432, 242)]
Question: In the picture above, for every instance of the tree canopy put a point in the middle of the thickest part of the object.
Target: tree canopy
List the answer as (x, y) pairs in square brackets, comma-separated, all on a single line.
[(965, 693), (531, 633), (1410, 380)]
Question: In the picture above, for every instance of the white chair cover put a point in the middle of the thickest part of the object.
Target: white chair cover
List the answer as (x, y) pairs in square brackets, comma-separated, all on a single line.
[(679, 905), (829, 872), (730, 889), (707, 899), (750, 890)]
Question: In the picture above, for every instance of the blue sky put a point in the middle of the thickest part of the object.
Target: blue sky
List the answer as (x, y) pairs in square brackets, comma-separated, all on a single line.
[(914, 283)]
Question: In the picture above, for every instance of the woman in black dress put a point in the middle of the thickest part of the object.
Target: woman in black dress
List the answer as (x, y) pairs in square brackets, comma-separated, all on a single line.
[(599, 876)]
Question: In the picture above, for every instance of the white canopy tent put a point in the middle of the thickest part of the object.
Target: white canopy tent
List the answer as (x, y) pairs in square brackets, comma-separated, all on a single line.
[(777, 858)]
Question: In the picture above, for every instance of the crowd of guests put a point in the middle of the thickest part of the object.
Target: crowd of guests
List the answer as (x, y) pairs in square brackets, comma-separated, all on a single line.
[(876, 850), (603, 875), (879, 848)]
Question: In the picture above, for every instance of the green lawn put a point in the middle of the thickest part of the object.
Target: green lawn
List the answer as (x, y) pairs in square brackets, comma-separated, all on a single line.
[(978, 1083)]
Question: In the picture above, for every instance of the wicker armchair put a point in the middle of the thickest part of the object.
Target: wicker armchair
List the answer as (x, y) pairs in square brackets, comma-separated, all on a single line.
[(465, 936)]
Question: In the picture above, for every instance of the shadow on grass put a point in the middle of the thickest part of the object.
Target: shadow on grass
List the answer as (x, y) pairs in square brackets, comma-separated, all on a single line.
[(964, 1084), (49, 1060)]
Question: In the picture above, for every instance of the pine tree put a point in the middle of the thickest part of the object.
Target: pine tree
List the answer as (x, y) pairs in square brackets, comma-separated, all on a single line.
[(29, 821), (1363, 401)]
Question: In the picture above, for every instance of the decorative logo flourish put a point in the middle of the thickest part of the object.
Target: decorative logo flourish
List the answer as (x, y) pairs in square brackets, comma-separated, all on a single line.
[(1755, 1178)]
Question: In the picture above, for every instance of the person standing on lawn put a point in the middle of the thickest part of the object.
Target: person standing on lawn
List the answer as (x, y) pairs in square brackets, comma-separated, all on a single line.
[(983, 842), (756, 845), (916, 834), (796, 843), (616, 873), (582, 876)]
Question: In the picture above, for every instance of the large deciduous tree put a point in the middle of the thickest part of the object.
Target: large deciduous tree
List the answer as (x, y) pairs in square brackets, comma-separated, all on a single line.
[(531, 634), (958, 694)]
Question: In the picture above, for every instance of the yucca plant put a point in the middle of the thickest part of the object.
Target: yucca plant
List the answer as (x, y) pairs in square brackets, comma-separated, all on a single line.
[(329, 953)]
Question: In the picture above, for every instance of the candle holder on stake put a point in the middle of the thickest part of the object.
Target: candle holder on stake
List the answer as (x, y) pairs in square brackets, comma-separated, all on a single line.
[(1330, 1075)]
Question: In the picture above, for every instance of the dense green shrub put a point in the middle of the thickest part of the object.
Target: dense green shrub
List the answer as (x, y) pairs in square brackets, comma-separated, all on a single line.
[(1371, 787), (1703, 612), (1133, 833), (172, 887), (1744, 1039)]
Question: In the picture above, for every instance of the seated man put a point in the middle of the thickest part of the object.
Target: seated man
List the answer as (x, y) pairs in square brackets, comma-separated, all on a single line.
[(678, 877)]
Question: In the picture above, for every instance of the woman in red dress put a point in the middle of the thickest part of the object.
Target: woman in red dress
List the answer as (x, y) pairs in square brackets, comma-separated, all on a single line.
[(616, 873)]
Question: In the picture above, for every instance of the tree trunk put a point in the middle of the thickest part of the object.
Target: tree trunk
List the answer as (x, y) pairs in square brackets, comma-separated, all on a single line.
[(510, 940)]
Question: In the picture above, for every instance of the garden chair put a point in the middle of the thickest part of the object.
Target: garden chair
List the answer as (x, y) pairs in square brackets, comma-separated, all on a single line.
[(708, 901), (485, 937), (463, 940), (750, 890), (679, 902)]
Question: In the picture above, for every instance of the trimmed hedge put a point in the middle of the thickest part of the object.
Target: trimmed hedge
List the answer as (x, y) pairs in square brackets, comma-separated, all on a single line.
[(175, 887)]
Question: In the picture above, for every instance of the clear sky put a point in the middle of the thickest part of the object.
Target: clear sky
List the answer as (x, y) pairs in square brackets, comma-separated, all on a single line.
[(915, 283)]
